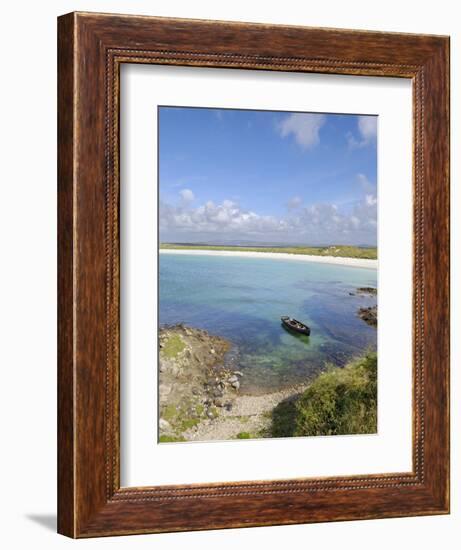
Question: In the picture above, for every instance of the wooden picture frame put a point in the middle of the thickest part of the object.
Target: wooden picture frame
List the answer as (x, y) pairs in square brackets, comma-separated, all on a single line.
[(91, 49)]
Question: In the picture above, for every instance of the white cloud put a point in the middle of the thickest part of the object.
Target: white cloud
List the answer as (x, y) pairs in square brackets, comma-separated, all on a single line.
[(355, 222), (187, 195), (305, 128), (214, 218), (316, 223), (367, 127), (365, 183), (294, 202), (371, 200)]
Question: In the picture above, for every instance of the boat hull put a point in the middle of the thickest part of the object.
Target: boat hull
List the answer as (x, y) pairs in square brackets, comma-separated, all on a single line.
[(296, 326)]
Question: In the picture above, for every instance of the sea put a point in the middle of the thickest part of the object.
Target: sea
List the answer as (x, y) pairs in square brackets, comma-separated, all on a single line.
[(243, 298)]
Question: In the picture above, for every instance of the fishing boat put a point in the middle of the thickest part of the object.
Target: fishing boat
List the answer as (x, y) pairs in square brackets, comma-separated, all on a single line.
[(295, 325)]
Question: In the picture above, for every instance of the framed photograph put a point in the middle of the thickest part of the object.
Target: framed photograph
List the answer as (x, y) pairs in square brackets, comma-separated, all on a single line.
[(253, 275)]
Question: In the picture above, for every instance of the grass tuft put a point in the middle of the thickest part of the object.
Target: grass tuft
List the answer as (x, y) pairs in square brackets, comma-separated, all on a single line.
[(173, 346)]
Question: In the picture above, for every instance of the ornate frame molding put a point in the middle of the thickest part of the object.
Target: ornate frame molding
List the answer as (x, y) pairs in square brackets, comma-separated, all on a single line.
[(91, 49)]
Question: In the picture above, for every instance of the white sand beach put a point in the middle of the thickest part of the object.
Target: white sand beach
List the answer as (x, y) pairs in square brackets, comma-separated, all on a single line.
[(351, 262)]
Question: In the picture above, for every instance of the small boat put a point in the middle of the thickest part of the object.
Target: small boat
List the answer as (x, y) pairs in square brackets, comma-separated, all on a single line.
[(295, 325)]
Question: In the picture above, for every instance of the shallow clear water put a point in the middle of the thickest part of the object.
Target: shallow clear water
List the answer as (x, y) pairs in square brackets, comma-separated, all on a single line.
[(242, 299)]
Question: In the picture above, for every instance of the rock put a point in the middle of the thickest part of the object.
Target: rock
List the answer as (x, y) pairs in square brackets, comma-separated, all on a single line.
[(238, 373), (196, 378), (164, 390), (228, 406), (369, 315), (368, 290), (164, 425), (233, 379), (236, 384)]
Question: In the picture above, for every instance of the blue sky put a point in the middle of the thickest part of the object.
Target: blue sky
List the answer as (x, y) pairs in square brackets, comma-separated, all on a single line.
[(239, 176)]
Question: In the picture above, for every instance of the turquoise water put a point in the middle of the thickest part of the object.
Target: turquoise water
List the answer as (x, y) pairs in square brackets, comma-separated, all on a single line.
[(242, 299)]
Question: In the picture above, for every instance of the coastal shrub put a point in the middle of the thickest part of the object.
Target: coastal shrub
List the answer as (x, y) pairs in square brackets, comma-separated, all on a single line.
[(243, 435), (284, 418), (173, 346), (339, 401)]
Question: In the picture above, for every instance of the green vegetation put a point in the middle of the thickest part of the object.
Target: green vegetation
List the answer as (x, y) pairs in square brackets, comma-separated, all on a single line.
[(284, 419), (189, 423), (169, 413), (339, 251), (182, 416), (173, 346), (339, 401), (243, 435)]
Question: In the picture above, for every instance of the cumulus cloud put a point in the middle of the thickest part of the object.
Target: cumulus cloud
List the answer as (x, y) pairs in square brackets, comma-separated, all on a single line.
[(326, 223), (294, 202), (304, 127), (365, 183), (367, 128), (370, 200), (187, 195), (315, 223), (216, 218)]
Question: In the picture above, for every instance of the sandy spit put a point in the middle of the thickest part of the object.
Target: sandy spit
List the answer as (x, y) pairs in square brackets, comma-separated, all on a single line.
[(350, 262)]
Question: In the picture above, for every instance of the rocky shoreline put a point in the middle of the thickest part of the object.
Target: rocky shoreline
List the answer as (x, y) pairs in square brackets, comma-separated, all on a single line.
[(368, 314), (200, 396), (195, 382)]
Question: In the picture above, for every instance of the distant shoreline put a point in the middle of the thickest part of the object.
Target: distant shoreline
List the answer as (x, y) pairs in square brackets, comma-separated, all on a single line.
[(337, 260)]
